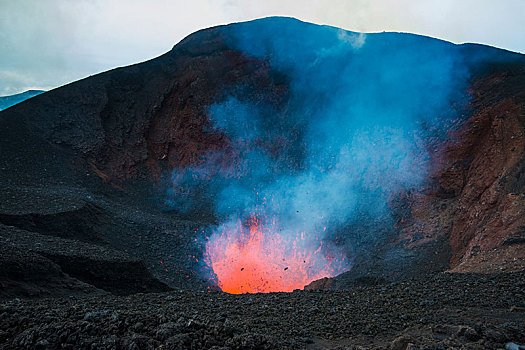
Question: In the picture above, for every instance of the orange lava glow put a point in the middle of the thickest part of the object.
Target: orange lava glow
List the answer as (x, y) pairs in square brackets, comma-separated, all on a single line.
[(252, 257)]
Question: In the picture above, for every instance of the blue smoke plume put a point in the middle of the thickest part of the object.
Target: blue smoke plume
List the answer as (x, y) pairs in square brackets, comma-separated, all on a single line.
[(349, 137)]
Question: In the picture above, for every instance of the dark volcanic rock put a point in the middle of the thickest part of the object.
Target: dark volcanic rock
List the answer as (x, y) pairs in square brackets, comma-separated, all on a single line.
[(467, 311), (27, 274), (31, 258), (83, 222), (322, 284)]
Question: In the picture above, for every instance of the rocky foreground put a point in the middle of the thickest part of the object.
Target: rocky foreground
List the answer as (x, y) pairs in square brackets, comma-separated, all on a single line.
[(441, 311)]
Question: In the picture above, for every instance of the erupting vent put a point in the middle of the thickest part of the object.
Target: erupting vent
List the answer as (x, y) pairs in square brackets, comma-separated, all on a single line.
[(330, 131), (255, 256)]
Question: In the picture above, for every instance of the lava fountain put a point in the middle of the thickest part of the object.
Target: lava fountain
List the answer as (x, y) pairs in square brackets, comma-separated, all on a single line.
[(255, 256)]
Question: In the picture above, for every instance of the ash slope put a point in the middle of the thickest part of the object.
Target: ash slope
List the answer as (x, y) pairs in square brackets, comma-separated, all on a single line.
[(92, 160)]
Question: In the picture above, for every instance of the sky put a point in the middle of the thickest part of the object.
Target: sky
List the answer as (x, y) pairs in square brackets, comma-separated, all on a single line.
[(48, 43)]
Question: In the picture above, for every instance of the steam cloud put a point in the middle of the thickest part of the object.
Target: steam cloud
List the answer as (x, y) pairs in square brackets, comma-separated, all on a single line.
[(358, 106)]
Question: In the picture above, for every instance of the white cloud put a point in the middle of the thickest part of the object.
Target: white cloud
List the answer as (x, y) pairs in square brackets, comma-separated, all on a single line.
[(356, 40)]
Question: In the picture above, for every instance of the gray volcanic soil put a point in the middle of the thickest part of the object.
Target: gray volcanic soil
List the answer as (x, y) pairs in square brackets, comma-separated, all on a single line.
[(440, 311)]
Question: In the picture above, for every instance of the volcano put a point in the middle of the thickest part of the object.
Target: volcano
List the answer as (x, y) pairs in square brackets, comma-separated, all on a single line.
[(409, 149), (263, 157)]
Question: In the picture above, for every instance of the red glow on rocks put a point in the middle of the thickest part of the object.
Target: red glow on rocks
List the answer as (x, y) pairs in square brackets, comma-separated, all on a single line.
[(253, 257)]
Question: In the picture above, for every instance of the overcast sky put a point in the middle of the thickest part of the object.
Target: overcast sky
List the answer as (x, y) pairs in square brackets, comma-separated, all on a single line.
[(48, 43)]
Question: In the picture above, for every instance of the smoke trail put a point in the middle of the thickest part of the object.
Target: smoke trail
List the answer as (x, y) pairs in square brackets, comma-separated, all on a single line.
[(358, 103)]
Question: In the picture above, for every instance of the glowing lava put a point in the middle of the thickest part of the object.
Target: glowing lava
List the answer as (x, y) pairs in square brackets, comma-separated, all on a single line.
[(254, 257)]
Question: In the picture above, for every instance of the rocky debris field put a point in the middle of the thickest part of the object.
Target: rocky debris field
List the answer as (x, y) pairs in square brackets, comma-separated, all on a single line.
[(440, 311)]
